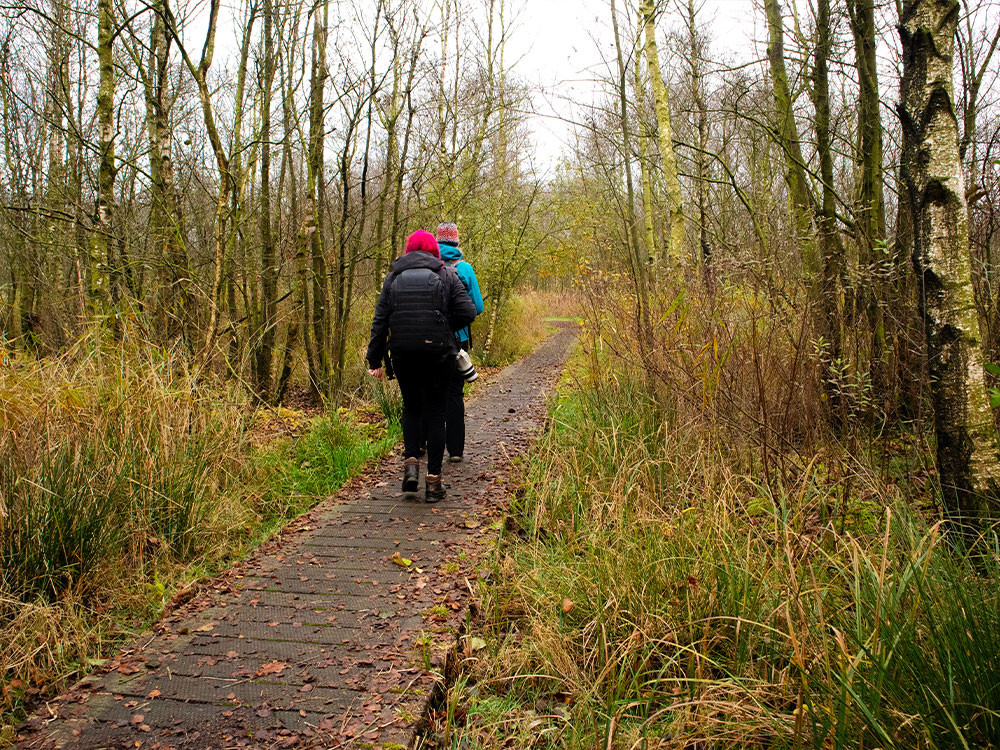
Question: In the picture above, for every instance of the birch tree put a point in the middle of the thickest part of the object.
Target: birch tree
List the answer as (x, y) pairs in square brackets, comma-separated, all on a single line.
[(640, 269), (931, 169), (695, 52), (672, 185), (108, 239)]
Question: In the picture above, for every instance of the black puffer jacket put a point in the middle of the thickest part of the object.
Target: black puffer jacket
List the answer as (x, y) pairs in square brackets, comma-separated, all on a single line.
[(411, 328)]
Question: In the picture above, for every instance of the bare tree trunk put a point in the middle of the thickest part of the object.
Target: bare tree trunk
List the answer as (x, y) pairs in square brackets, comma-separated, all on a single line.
[(975, 61), (832, 247), (390, 119), (200, 74), (298, 323), (265, 324), (800, 198), (873, 255), (104, 237), (931, 170), (165, 218), (345, 261), (319, 359), (695, 52), (675, 201), (641, 270), (648, 250), (395, 239)]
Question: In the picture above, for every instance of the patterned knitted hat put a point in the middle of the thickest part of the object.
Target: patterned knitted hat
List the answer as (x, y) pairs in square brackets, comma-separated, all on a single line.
[(448, 233), (424, 242)]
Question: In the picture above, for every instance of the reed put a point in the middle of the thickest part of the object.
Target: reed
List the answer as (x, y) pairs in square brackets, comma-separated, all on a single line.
[(664, 581), (125, 475)]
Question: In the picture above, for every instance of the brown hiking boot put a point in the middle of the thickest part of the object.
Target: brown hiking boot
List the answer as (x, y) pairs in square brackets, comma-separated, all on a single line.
[(411, 475), (435, 489)]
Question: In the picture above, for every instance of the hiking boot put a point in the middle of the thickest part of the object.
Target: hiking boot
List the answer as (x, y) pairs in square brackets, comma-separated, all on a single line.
[(455, 459), (435, 489), (411, 475)]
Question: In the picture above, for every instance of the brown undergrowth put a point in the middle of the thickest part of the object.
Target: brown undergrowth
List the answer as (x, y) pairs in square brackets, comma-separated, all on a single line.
[(693, 560), (124, 478)]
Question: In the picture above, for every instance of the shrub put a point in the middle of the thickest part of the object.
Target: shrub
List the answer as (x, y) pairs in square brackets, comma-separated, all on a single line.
[(660, 588)]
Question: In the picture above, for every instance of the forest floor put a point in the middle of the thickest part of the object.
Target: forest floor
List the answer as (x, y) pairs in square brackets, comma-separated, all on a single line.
[(335, 633)]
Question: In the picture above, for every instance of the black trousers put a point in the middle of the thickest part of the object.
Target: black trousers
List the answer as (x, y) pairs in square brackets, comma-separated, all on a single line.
[(455, 413), (423, 381)]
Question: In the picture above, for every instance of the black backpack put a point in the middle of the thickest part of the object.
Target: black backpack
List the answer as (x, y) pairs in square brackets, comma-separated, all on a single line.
[(419, 319)]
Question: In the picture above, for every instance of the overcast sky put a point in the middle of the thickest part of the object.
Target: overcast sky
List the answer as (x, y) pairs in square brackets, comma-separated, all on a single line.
[(562, 46)]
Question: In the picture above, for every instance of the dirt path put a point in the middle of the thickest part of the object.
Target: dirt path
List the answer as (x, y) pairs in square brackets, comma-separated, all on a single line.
[(334, 634)]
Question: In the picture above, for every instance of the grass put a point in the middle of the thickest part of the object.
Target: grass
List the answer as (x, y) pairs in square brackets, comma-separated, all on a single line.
[(653, 591), (124, 476), (522, 325), (304, 471)]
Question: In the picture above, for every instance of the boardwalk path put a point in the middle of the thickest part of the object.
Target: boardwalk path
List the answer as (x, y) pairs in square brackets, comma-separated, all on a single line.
[(322, 638)]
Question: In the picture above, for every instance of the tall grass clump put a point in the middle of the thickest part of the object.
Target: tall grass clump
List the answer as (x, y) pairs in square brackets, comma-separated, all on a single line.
[(124, 475), (116, 464), (108, 454), (673, 576)]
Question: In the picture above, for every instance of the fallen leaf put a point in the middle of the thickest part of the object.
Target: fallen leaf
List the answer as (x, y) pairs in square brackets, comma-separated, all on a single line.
[(401, 561), (272, 667), (476, 644), (567, 605), (206, 628), (154, 694), (138, 719)]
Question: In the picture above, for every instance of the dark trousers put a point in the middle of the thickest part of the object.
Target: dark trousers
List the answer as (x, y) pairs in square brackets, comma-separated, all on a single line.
[(455, 413), (423, 380)]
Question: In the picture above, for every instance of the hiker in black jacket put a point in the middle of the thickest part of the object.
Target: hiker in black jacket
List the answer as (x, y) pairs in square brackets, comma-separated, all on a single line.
[(421, 305)]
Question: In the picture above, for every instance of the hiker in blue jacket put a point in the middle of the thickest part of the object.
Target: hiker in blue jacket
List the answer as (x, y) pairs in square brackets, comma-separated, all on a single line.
[(447, 238)]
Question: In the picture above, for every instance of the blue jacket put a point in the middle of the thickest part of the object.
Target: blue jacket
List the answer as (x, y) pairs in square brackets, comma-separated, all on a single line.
[(453, 256)]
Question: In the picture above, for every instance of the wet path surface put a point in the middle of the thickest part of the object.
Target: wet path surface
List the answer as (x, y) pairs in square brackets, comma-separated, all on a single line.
[(333, 634)]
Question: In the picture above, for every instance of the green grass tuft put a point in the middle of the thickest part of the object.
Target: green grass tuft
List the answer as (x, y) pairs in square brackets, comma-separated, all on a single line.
[(124, 477), (657, 593), (312, 467)]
